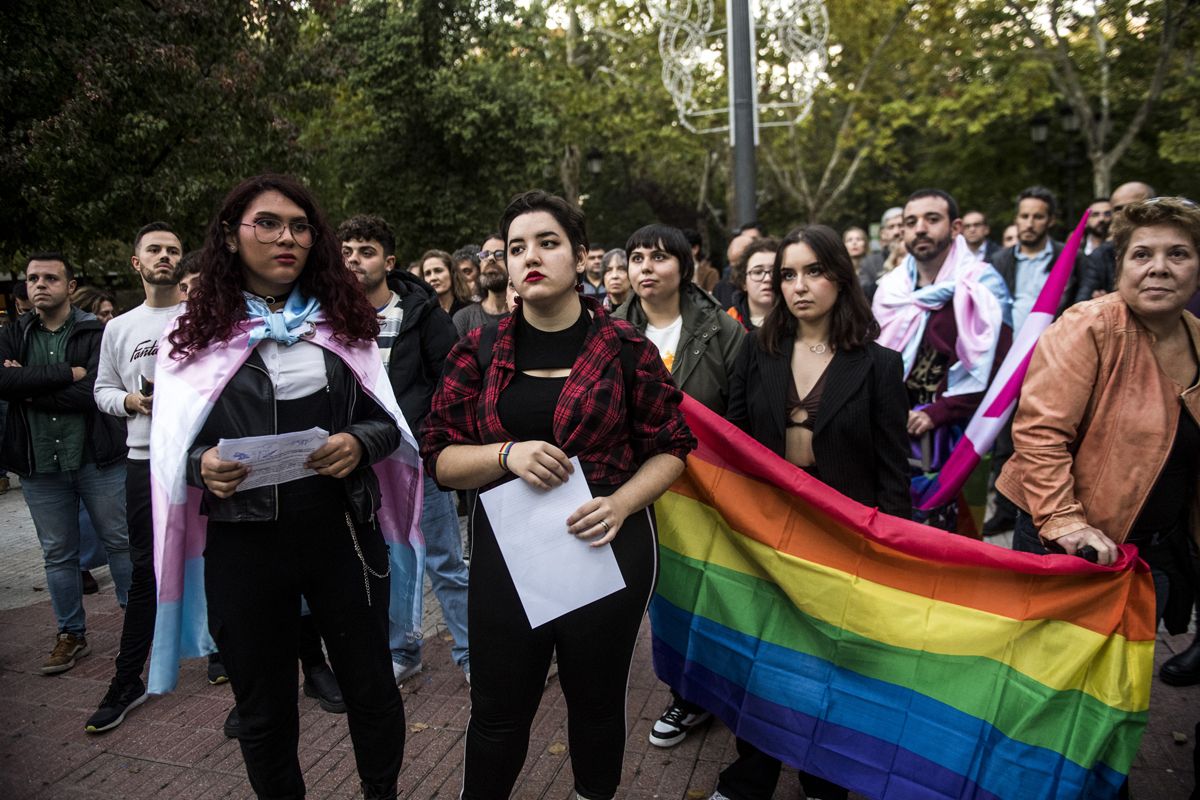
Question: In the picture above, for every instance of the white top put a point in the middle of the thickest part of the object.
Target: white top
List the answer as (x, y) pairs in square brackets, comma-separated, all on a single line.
[(666, 339), (128, 351), (296, 370)]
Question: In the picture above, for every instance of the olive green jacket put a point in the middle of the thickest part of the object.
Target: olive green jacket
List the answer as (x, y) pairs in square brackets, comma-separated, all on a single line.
[(708, 345)]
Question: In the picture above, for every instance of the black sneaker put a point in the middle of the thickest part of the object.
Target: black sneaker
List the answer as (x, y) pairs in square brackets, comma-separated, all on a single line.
[(216, 671), (674, 725), (117, 702)]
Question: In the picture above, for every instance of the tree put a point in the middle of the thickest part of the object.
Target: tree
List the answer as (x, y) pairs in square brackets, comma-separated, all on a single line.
[(1103, 54)]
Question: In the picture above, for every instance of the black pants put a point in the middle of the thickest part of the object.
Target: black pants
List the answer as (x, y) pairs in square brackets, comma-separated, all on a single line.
[(254, 574), (755, 774), (137, 630), (509, 663)]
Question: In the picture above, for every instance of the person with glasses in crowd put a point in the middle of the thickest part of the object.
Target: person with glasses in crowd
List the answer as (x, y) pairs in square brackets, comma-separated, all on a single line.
[(277, 337), (759, 296), (493, 281), (558, 379)]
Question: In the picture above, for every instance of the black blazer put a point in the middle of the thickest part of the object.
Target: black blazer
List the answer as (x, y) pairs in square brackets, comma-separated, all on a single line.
[(859, 439)]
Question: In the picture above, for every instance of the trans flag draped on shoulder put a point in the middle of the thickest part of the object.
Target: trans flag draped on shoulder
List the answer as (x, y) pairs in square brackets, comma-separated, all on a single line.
[(892, 658), (184, 394), (1001, 399)]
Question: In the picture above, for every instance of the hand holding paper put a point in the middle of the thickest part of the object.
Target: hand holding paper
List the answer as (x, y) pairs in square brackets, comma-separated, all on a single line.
[(554, 571), (273, 459)]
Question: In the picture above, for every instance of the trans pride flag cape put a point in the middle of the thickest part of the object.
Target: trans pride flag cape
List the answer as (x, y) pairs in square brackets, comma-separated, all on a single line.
[(897, 660), (184, 394), (1001, 399)]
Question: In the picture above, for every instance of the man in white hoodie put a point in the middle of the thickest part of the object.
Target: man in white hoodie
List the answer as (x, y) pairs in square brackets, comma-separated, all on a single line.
[(125, 388)]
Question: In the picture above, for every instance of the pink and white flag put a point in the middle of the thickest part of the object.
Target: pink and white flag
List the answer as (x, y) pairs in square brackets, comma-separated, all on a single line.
[(1001, 399)]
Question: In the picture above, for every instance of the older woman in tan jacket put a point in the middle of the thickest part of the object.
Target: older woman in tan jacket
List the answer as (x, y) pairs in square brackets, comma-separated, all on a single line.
[(1106, 435)]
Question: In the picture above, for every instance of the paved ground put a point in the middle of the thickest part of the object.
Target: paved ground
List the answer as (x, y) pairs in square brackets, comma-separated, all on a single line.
[(173, 747)]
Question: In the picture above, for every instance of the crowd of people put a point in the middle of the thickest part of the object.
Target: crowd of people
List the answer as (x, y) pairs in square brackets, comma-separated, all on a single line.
[(857, 362)]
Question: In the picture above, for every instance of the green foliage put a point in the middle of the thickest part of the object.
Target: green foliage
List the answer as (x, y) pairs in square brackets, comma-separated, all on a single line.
[(434, 112)]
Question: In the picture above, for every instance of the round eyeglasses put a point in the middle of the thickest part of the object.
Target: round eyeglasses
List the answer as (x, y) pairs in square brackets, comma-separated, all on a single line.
[(269, 231)]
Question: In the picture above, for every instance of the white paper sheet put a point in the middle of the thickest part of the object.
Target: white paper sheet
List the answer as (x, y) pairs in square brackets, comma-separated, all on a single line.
[(273, 459), (554, 572)]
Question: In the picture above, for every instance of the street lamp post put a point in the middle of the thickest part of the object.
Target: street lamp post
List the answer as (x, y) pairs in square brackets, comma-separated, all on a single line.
[(742, 127)]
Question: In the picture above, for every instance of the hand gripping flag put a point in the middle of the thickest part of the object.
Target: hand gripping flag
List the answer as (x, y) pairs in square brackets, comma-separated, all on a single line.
[(884, 655), (1001, 399)]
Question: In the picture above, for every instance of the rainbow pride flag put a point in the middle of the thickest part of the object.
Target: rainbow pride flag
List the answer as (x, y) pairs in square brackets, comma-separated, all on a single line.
[(895, 659)]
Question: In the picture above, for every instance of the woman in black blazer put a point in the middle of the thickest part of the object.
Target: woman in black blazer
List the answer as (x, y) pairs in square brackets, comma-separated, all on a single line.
[(813, 386)]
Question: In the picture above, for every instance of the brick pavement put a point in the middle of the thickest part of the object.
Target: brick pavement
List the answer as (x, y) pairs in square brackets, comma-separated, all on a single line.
[(172, 747)]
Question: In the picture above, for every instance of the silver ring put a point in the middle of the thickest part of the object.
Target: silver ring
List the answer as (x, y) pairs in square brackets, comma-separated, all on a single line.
[(605, 524)]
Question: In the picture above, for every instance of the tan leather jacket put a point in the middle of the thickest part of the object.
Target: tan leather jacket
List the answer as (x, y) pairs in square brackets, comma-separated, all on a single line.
[(1096, 422)]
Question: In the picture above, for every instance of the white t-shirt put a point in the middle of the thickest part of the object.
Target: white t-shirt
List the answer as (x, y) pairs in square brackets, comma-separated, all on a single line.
[(666, 340), (128, 351)]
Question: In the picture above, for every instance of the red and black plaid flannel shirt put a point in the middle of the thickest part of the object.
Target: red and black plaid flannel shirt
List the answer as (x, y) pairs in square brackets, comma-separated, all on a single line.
[(592, 419)]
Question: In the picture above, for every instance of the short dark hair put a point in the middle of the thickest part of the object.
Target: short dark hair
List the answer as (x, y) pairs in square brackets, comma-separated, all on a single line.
[(668, 239), (53, 255), (745, 226), (190, 263), (1040, 193), (1099, 200), (571, 219), (851, 324), (468, 252), (154, 227), (951, 205), (492, 236), (20, 291), (1177, 212), (596, 246), (368, 227)]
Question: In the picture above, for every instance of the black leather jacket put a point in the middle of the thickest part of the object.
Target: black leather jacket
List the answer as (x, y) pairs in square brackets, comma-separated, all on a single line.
[(246, 407)]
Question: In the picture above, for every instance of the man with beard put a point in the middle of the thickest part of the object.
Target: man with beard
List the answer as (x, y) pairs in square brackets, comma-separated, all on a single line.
[(1026, 265), (493, 282), (1025, 268), (1099, 221), (125, 389), (950, 316), (1099, 277), (415, 336), (65, 450)]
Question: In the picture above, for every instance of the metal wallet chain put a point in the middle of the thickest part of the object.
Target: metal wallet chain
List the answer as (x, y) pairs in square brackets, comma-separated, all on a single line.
[(367, 571)]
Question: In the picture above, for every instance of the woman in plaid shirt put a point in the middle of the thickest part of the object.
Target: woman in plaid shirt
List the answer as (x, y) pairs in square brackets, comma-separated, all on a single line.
[(562, 379)]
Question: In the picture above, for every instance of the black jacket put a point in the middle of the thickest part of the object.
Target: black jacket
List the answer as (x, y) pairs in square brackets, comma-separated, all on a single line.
[(51, 388), (859, 438), (426, 335), (1100, 274), (1005, 263), (246, 407)]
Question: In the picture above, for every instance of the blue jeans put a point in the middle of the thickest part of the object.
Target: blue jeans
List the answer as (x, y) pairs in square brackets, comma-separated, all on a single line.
[(53, 499), (446, 570)]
